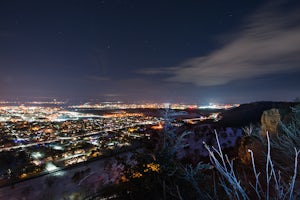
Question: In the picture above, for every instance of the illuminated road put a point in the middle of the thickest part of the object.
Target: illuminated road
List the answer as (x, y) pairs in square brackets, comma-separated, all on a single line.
[(27, 145)]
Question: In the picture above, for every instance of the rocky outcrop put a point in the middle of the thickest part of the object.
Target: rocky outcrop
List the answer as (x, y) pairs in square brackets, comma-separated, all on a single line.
[(269, 121), (257, 148)]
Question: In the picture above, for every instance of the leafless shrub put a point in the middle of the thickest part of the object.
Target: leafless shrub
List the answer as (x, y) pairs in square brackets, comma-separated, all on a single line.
[(235, 189), (249, 129), (289, 137)]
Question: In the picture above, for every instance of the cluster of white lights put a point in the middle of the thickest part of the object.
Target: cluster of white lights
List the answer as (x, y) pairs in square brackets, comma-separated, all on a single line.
[(50, 167), (36, 113)]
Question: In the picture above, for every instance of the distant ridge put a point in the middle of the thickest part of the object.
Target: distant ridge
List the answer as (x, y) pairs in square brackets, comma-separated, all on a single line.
[(251, 112)]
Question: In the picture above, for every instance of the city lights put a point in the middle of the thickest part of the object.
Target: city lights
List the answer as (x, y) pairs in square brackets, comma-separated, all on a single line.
[(54, 137)]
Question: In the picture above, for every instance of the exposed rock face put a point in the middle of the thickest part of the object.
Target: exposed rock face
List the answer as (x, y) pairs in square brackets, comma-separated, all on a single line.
[(256, 146), (269, 121)]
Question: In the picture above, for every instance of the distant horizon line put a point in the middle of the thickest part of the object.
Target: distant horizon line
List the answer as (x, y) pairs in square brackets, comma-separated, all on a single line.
[(80, 102), (159, 100)]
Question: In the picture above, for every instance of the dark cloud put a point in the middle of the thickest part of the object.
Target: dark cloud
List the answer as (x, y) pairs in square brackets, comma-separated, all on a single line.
[(268, 43)]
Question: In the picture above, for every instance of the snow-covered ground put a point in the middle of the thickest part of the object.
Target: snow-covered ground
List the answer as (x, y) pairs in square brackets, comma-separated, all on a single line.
[(73, 183), (205, 133)]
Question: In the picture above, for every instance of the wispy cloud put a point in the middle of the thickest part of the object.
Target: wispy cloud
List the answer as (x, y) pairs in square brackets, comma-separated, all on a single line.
[(98, 78), (267, 43), (153, 71)]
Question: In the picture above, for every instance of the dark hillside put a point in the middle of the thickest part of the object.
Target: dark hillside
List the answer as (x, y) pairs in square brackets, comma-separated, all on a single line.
[(251, 113)]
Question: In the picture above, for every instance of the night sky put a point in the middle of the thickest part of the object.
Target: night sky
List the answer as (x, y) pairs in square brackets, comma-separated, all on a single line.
[(145, 51)]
